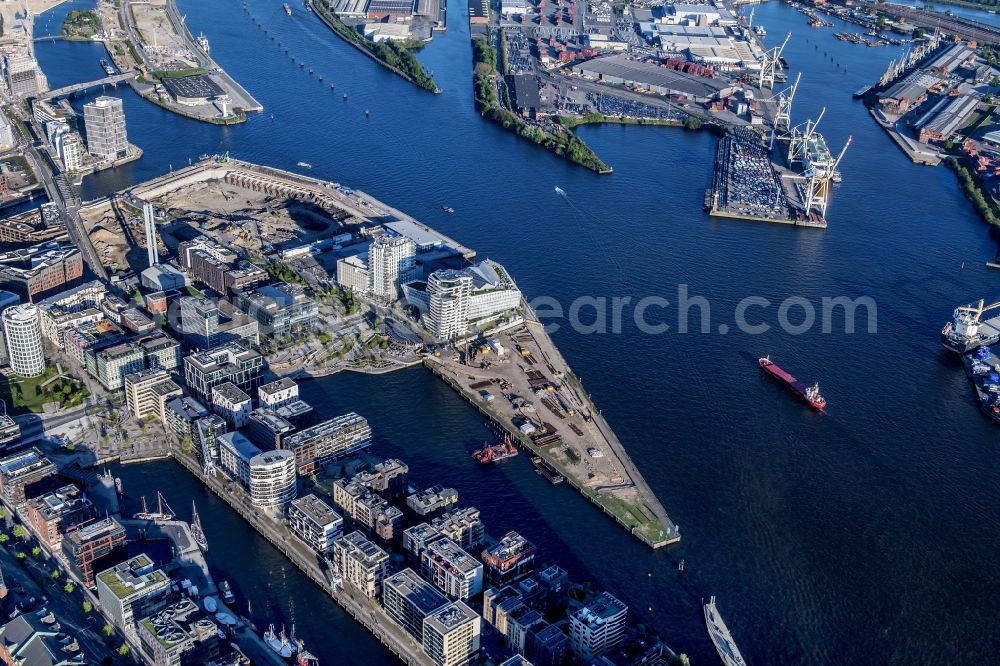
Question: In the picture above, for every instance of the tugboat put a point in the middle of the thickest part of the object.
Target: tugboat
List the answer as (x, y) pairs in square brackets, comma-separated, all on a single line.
[(197, 533), (495, 453), (810, 394), (227, 592), (721, 638), (278, 642), (967, 331)]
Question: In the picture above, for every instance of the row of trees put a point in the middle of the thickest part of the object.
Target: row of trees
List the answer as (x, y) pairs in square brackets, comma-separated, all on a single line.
[(972, 188), (560, 141)]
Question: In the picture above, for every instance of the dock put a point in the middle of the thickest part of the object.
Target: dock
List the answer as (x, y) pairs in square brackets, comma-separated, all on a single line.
[(567, 431)]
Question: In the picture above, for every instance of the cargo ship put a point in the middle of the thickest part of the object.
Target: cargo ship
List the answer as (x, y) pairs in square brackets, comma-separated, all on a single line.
[(967, 331), (809, 394), (721, 638), (495, 453)]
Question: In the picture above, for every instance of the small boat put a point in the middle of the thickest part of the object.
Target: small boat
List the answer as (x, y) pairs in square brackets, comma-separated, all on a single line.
[(304, 165), (448, 209), (345, 95), (721, 638), (561, 191), (288, 8), (227, 592), (118, 486)]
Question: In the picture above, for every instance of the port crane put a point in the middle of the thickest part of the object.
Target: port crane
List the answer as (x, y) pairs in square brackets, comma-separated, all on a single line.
[(968, 317), (784, 99), (818, 177), (771, 64)]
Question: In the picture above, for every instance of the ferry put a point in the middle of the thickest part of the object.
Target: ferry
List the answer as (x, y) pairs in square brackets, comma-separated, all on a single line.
[(811, 394), (967, 331), (721, 638), (288, 8), (495, 453), (227, 592)]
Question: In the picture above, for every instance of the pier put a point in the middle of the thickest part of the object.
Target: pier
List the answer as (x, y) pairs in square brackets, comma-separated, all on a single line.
[(582, 448)]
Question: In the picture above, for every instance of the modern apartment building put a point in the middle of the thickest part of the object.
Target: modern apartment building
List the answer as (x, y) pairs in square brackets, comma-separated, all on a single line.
[(361, 563), (104, 120), (315, 522), (23, 334)]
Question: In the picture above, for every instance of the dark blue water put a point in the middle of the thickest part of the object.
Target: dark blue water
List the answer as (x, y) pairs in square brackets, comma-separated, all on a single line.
[(864, 535)]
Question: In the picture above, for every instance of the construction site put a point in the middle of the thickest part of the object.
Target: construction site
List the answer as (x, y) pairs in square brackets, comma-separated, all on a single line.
[(520, 381)]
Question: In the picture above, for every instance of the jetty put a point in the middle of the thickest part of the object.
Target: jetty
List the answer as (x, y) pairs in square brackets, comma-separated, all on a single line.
[(554, 419)]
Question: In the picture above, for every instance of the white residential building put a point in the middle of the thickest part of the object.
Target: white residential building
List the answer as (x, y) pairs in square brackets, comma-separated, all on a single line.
[(315, 522), (451, 635), (391, 262), (232, 404), (23, 333), (272, 479)]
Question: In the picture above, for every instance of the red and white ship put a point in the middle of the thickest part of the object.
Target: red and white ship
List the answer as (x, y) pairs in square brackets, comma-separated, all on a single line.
[(810, 394)]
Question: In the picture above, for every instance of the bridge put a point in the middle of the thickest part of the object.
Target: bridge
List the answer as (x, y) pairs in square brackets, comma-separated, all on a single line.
[(48, 38), (80, 87)]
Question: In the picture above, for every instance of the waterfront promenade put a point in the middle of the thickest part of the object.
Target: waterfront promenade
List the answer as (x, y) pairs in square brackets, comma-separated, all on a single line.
[(364, 610)]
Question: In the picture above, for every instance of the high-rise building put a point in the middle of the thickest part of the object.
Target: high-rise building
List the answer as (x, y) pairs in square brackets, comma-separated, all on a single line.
[(278, 308), (452, 301), (391, 262), (207, 323), (448, 294), (272, 479), (409, 599), (104, 119), (22, 75), (23, 333), (598, 626), (451, 635), (131, 591)]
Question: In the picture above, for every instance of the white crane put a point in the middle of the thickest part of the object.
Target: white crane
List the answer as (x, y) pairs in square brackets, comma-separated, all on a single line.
[(783, 116), (771, 64)]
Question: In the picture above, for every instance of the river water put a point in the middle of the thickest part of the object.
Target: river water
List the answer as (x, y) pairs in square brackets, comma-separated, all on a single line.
[(863, 535)]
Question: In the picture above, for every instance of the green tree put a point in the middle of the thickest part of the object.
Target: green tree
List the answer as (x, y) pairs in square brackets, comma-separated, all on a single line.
[(36, 551), (68, 588), (692, 123), (20, 555), (4, 537), (56, 574), (107, 629), (19, 532), (995, 81), (187, 444), (87, 607), (123, 650)]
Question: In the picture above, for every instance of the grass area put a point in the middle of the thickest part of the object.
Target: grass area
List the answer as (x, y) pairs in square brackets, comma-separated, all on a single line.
[(81, 24), (559, 140), (191, 291), (29, 394), (595, 118), (397, 56), (178, 73)]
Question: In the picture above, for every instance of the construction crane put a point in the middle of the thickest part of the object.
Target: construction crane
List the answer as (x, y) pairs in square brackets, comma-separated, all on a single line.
[(771, 64), (799, 140)]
